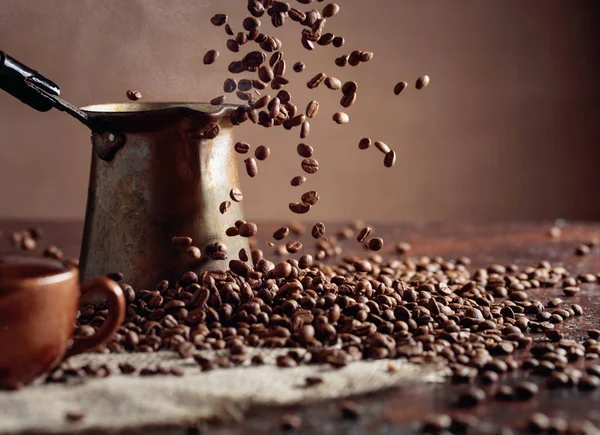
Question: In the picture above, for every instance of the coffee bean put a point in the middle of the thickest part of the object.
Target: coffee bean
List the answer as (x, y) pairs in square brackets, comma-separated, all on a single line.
[(333, 83), (224, 206), (219, 19), (338, 41), (341, 118), (312, 109), (305, 150), (217, 101), (364, 234), (390, 159), (297, 181), (210, 57), (242, 147), (281, 233), (364, 143), (262, 152), (422, 82), (310, 165), (291, 422), (471, 397), (249, 229), (436, 423), (305, 130), (316, 80), (571, 291), (330, 10), (318, 230), (212, 131), (236, 195), (504, 393), (350, 410), (251, 167), (538, 423), (382, 147), (525, 390), (299, 207), (133, 95), (299, 67), (229, 85), (311, 197), (594, 334), (366, 56), (375, 244), (181, 241), (194, 252), (74, 416), (342, 61), (293, 246), (350, 87), (251, 23), (348, 100), (400, 87)]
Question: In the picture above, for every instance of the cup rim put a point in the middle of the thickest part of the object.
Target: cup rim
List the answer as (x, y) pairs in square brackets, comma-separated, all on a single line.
[(7, 284)]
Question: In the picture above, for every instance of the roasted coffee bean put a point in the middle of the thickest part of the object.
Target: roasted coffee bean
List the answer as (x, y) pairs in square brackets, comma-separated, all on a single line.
[(304, 150), (310, 165), (400, 87), (229, 85), (305, 130), (298, 181), (342, 61), (436, 423), (293, 246), (350, 410), (299, 67), (390, 159), (318, 230), (217, 101), (251, 167), (299, 207), (311, 197), (525, 390), (471, 397), (375, 244), (265, 73), (251, 23), (338, 41), (330, 10), (354, 58), (224, 206), (256, 8), (333, 83), (422, 82), (326, 39), (194, 252), (219, 19), (571, 290), (538, 423), (348, 100), (75, 416), (233, 46), (350, 87), (316, 80), (312, 109), (382, 147), (242, 147), (262, 152), (281, 233), (249, 229), (341, 118), (236, 195), (364, 234), (181, 241), (133, 95), (364, 143), (212, 131)]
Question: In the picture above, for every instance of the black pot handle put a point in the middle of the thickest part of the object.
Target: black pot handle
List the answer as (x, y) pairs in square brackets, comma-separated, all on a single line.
[(25, 84)]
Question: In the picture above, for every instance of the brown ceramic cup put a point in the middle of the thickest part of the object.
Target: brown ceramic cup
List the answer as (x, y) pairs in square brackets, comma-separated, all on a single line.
[(39, 299)]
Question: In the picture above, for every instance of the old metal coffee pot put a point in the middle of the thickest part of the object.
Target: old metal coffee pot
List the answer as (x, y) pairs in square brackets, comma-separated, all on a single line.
[(157, 172)]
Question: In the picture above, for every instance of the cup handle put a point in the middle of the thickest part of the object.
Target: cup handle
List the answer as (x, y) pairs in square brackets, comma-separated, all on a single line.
[(116, 313)]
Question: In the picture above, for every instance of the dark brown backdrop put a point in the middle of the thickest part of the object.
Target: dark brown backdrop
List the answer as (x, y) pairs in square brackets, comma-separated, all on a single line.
[(508, 128)]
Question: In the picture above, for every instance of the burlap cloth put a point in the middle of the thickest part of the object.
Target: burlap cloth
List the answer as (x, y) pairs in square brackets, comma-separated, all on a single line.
[(126, 401)]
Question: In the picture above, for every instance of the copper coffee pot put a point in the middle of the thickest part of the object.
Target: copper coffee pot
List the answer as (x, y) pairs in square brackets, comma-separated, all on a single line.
[(157, 172)]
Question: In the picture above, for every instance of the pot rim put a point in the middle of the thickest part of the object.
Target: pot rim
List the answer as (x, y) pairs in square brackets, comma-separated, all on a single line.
[(145, 107)]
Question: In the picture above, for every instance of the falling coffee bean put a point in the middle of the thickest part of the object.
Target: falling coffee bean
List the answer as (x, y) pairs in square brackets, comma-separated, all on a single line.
[(305, 130), (312, 109), (134, 95), (311, 197), (210, 57), (229, 85), (400, 87), (299, 67), (390, 159), (224, 206), (236, 195), (242, 147), (299, 207), (310, 166), (341, 118), (364, 234), (212, 131), (262, 152), (281, 233), (298, 181), (304, 150), (251, 167), (330, 10), (293, 246), (364, 143), (422, 82), (333, 83), (318, 230), (375, 244), (181, 241), (316, 80), (248, 229), (338, 41), (219, 19), (384, 148), (217, 101)]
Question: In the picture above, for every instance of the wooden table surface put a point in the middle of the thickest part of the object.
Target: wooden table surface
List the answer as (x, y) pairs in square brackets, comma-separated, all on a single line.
[(398, 410)]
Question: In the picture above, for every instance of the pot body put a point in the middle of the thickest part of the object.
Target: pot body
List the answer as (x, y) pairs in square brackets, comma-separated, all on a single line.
[(157, 174)]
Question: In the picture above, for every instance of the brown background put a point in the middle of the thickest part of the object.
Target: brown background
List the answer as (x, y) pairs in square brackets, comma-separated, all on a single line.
[(508, 128)]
